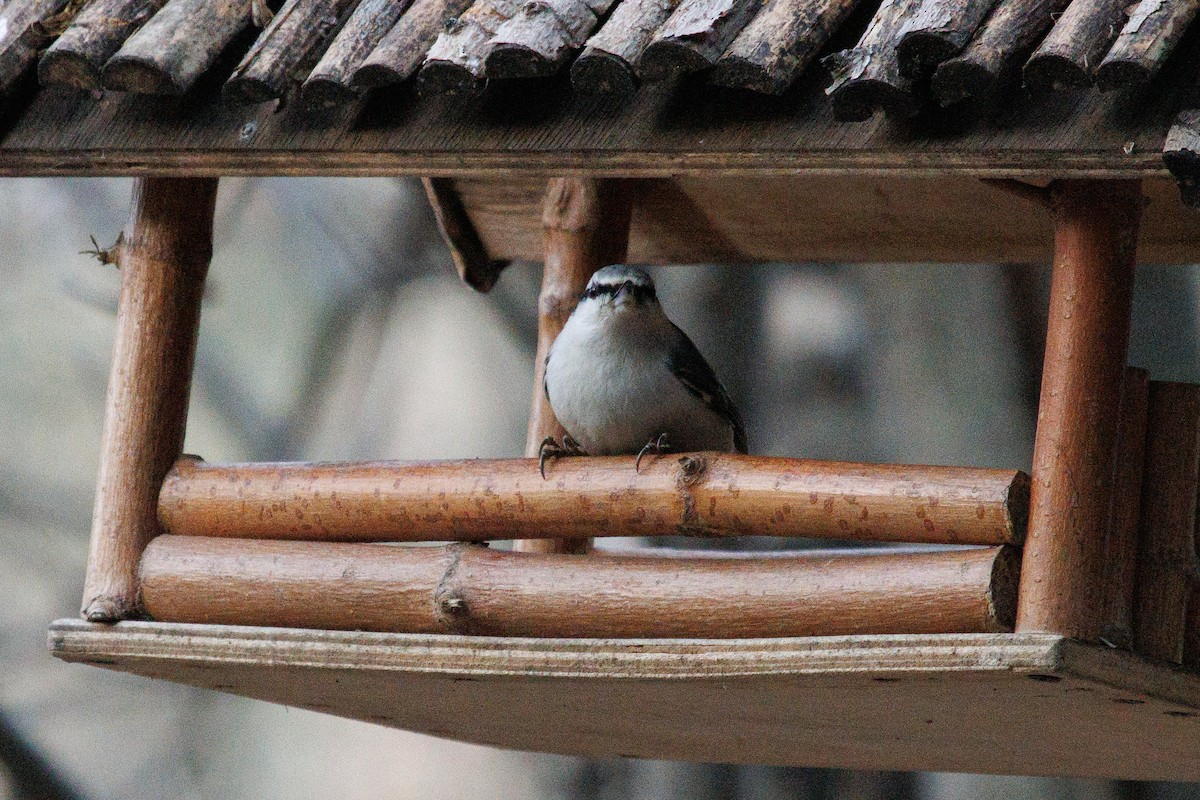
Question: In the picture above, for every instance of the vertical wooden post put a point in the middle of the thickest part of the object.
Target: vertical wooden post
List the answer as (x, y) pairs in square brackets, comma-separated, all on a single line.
[(586, 227), (1087, 341), (163, 255)]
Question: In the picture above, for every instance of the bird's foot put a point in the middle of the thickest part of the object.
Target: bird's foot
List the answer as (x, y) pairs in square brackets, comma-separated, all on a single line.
[(550, 448), (657, 445)]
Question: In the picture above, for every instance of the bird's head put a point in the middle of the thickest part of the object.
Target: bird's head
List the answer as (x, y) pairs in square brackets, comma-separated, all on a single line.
[(620, 288)]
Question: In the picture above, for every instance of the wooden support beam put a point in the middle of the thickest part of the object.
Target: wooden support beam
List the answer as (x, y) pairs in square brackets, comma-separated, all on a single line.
[(938, 30), (23, 33), (400, 52), (994, 57), (866, 78), (472, 589), (163, 255), (1167, 551), (77, 56), (470, 257), (454, 64), (585, 226), (1070, 53), (542, 36), (780, 43), (286, 51), (1153, 31), (706, 494), (1096, 227), (179, 43), (694, 37), (606, 67), (331, 82), (1121, 541)]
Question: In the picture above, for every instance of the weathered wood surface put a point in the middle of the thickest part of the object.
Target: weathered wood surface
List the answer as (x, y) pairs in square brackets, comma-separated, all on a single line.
[(465, 588), (102, 26), (585, 226), (693, 37), (22, 35), (470, 259), (1121, 539), (1167, 549), (1074, 48), (1181, 154), (997, 703), (1152, 33), (994, 57), (866, 78), (163, 256), (479, 500), (331, 82), (862, 220), (938, 30), (1087, 339), (402, 49), (542, 36), (606, 69), (780, 43), (287, 50), (454, 64)]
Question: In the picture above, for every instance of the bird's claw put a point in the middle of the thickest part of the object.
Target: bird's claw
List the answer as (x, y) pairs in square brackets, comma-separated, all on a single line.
[(550, 448), (657, 445)]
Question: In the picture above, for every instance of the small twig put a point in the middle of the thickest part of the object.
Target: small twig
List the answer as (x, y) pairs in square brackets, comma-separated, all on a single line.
[(260, 13), (106, 255)]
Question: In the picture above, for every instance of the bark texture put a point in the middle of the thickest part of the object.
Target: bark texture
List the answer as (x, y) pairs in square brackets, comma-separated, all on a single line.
[(24, 31), (542, 36), (1154, 29), (77, 56), (866, 78), (454, 65), (1073, 50), (607, 66), (939, 30), (401, 51), (694, 37), (330, 84)]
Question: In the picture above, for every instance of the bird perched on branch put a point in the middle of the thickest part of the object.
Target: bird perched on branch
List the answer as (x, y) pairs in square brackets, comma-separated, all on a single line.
[(623, 379)]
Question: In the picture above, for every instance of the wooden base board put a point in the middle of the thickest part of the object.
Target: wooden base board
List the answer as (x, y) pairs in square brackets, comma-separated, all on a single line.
[(995, 703)]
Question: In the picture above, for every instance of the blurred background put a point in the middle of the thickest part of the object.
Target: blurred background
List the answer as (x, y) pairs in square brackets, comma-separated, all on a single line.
[(335, 328)]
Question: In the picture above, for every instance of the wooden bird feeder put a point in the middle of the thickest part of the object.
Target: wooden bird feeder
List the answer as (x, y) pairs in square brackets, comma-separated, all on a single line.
[(1061, 637)]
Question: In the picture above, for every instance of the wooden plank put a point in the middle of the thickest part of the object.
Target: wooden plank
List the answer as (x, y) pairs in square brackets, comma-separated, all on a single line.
[(845, 219), (994, 703), (663, 130)]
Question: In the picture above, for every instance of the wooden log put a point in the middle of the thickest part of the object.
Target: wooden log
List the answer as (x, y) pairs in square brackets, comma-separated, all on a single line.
[(287, 50), (708, 494), (400, 52), (542, 36), (779, 44), (472, 589), (1181, 154), (330, 84), (475, 267), (163, 256), (585, 226), (939, 30), (23, 32), (1153, 31), (1121, 540), (866, 78), (994, 57), (1096, 226), (1076, 45), (694, 37), (454, 64), (1166, 549), (176, 46), (77, 56), (606, 67)]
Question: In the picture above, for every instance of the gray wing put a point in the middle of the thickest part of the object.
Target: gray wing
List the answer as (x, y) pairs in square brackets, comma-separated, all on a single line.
[(689, 366)]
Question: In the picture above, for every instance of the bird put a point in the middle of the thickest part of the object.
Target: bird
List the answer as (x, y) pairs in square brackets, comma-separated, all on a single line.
[(623, 379)]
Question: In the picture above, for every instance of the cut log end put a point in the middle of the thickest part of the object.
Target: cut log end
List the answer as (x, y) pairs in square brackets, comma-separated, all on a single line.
[(374, 76), (669, 59), (1113, 75), (858, 100), (735, 72), (250, 91), (1053, 72), (960, 79), (446, 78), (603, 75), (65, 68), (1002, 590), (107, 610), (139, 76), (920, 52), (323, 94), (509, 60)]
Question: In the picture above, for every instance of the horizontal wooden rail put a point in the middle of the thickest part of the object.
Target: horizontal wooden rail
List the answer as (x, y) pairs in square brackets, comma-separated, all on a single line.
[(705, 494), (469, 588)]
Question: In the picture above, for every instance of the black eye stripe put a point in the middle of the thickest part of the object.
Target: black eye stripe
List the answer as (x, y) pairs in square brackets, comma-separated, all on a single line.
[(640, 292)]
